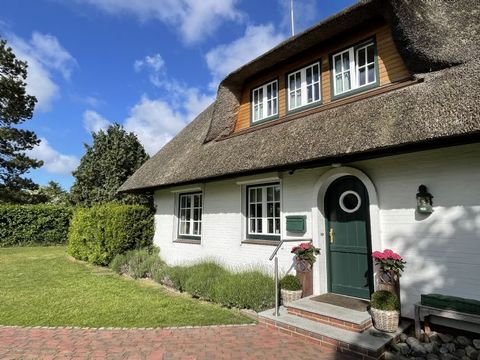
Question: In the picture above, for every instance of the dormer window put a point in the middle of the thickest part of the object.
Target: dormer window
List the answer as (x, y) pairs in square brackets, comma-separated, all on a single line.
[(354, 68), (265, 102), (304, 87)]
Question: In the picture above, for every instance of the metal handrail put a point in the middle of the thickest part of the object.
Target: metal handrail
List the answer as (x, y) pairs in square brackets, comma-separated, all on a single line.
[(277, 305)]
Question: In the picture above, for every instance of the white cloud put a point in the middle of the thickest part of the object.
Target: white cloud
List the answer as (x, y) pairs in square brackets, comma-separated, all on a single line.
[(306, 13), (194, 19), (54, 161), (223, 59), (94, 122), (157, 121), (44, 56), (155, 65)]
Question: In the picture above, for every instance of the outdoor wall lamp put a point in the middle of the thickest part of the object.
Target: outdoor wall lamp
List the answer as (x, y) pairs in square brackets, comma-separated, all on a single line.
[(424, 200)]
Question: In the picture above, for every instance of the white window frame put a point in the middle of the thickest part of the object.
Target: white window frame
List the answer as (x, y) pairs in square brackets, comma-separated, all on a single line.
[(264, 102), (354, 68), (191, 209), (303, 90), (264, 218)]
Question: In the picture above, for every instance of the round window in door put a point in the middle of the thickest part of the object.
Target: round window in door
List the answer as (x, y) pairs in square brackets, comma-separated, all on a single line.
[(350, 201)]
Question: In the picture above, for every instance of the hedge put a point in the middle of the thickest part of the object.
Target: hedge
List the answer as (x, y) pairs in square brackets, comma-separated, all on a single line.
[(26, 225), (99, 233)]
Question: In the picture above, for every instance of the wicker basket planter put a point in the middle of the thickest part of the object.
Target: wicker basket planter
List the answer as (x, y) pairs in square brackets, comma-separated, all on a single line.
[(289, 296), (385, 320)]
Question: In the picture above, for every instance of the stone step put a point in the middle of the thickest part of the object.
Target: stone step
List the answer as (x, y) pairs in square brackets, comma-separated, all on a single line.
[(343, 318), (367, 345)]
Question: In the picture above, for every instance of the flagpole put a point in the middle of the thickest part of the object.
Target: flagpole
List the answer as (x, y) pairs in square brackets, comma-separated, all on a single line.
[(292, 18)]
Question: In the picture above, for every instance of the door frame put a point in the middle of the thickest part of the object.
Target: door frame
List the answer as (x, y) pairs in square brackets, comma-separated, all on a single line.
[(319, 224), (368, 238)]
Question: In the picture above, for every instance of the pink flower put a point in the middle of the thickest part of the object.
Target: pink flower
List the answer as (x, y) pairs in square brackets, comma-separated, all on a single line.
[(377, 255)]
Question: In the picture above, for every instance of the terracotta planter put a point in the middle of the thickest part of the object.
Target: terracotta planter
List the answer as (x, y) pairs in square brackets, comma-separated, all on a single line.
[(384, 320), (289, 296), (389, 281), (304, 274)]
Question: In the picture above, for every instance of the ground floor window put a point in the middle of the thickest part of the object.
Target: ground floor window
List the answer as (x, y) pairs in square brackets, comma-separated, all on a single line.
[(190, 215), (263, 211)]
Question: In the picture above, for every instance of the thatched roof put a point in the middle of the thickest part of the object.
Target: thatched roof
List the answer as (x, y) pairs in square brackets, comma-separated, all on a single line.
[(440, 44)]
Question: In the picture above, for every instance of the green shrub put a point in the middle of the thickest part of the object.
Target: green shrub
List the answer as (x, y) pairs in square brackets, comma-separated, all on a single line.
[(385, 300), (177, 277), (99, 233), (22, 225), (290, 282), (245, 290), (202, 278), (141, 263)]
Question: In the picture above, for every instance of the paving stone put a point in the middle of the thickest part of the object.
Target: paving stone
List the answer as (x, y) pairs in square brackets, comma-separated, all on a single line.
[(476, 343), (463, 341), (235, 342), (446, 338), (471, 352)]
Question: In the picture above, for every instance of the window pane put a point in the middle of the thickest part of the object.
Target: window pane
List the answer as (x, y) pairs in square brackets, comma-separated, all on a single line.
[(188, 201), (298, 80), (346, 61), (274, 89), (252, 225), (277, 193), (361, 76), (255, 97), (277, 210), (182, 214), (259, 225), (270, 194), (259, 210), (292, 81), (371, 73), (187, 228), (370, 54), (269, 91), (269, 108), (361, 57), (309, 75), (346, 81), (200, 214), (292, 100), (316, 88), (309, 94), (196, 214), (252, 195), (199, 228), (316, 73), (260, 95), (182, 227), (339, 84), (274, 102), (270, 210), (182, 201), (195, 228), (188, 215), (259, 194), (299, 98), (196, 200), (338, 63), (277, 226), (252, 210), (270, 226)]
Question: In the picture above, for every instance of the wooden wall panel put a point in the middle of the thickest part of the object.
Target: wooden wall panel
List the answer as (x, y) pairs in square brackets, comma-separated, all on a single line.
[(390, 64)]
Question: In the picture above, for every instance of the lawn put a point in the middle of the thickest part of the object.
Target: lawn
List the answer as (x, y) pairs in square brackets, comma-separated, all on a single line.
[(42, 286)]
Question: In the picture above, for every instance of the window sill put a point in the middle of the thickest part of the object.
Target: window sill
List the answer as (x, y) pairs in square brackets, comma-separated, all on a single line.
[(188, 241), (261, 242)]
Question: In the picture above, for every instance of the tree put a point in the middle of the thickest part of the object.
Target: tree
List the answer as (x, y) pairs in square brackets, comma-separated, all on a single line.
[(112, 158), (52, 193), (16, 106)]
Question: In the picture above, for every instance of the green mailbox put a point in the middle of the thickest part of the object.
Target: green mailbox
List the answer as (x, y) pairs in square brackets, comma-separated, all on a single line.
[(296, 223)]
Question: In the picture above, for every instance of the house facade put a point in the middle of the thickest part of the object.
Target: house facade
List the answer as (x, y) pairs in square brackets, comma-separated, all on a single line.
[(327, 138)]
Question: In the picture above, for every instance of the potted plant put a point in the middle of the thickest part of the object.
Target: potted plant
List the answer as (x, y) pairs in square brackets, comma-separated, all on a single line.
[(390, 265), (290, 289), (385, 310), (305, 257)]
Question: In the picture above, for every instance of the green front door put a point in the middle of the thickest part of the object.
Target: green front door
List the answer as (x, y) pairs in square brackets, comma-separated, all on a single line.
[(348, 238)]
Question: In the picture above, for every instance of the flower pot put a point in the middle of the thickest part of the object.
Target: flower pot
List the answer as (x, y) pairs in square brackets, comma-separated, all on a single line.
[(289, 296), (385, 320)]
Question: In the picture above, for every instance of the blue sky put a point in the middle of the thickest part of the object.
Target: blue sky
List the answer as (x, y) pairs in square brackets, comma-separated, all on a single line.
[(150, 65)]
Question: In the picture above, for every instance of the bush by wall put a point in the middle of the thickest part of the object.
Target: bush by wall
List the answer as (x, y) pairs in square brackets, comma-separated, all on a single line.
[(22, 225), (99, 233), (251, 289), (138, 264)]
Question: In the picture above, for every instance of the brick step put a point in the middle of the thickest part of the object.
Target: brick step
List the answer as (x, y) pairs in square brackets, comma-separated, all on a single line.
[(367, 345), (343, 318)]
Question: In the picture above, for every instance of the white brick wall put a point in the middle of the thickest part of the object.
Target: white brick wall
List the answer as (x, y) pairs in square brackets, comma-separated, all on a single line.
[(442, 250)]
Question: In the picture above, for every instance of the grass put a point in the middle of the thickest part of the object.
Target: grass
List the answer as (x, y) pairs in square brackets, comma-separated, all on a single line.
[(41, 286)]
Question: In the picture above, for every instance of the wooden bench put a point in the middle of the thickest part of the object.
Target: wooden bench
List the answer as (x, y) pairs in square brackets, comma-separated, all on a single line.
[(426, 311)]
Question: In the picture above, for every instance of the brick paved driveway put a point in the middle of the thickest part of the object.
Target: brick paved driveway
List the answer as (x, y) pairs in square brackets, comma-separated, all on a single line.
[(239, 342)]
